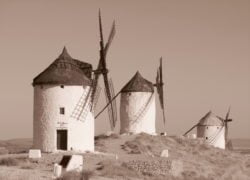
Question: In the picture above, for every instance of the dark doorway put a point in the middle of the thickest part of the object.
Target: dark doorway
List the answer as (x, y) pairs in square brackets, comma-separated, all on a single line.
[(62, 137)]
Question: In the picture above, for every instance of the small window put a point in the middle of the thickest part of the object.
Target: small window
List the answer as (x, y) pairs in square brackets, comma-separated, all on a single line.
[(62, 86), (206, 137), (217, 127), (62, 110), (207, 127)]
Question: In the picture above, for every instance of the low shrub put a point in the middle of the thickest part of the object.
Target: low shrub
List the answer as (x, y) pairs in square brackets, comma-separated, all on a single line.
[(3, 151), (10, 161)]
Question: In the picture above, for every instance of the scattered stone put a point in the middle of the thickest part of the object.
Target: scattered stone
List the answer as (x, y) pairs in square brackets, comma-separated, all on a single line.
[(164, 153), (194, 136), (72, 162), (126, 134), (176, 168), (163, 133), (57, 171), (153, 167), (35, 153), (191, 136), (116, 157), (109, 133)]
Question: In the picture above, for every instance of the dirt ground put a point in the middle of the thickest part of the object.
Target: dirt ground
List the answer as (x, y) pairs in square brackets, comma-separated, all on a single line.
[(137, 157)]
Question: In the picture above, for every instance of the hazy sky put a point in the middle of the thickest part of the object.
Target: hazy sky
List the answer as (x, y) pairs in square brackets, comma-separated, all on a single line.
[(205, 46)]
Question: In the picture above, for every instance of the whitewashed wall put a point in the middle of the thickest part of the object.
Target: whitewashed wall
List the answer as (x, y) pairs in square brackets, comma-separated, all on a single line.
[(130, 105), (47, 118), (215, 135)]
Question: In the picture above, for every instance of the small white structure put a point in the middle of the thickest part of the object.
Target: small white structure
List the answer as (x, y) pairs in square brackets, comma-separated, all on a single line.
[(35, 153), (212, 129), (137, 107), (163, 134), (62, 116), (72, 163), (57, 171), (192, 136), (164, 153)]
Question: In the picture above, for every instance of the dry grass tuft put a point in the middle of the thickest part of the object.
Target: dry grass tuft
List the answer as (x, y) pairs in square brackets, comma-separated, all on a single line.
[(114, 169), (104, 136), (17, 146), (11, 161), (74, 175), (100, 141), (3, 151), (27, 166)]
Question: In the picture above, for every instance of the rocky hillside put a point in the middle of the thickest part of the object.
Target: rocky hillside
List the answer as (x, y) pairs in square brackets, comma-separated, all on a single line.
[(133, 157), (188, 158)]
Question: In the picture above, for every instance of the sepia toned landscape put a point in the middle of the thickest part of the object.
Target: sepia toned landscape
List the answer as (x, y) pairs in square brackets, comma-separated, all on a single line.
[(125, 90)]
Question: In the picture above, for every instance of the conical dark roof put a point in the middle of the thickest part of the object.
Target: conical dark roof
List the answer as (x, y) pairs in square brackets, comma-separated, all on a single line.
[(65, 70), (211, 120), (138, 84)]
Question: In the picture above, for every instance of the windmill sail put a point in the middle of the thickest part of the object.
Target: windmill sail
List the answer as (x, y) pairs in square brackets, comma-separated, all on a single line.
[(96, 97), (112, 111), (110, 39), (226, 125), (83, 106), (194, 126), (143, 110), (113, 101), (159, 86), (102, 69), (212, 139)]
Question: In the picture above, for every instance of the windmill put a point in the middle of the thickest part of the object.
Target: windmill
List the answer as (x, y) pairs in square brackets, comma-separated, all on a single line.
[(89, 100), (146, 101), (67, 80), (213, 128)]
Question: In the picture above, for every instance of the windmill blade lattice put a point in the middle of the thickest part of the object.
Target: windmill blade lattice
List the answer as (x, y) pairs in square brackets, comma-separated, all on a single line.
[(110, 39), (96, 97), (83, 106), (214, 138), (112, 110), (113, 102), (143, 110)]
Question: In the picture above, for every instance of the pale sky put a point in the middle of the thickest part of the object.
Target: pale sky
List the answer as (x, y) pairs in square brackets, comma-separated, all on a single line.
[(205, 46)]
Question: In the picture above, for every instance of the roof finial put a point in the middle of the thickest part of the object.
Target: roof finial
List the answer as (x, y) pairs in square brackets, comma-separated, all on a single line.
[(64, 50), (64, 54), (138, 73)]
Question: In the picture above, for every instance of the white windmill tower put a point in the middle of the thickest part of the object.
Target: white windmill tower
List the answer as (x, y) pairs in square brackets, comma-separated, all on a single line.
[(213, 129), (137, 106), (57, 91)]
